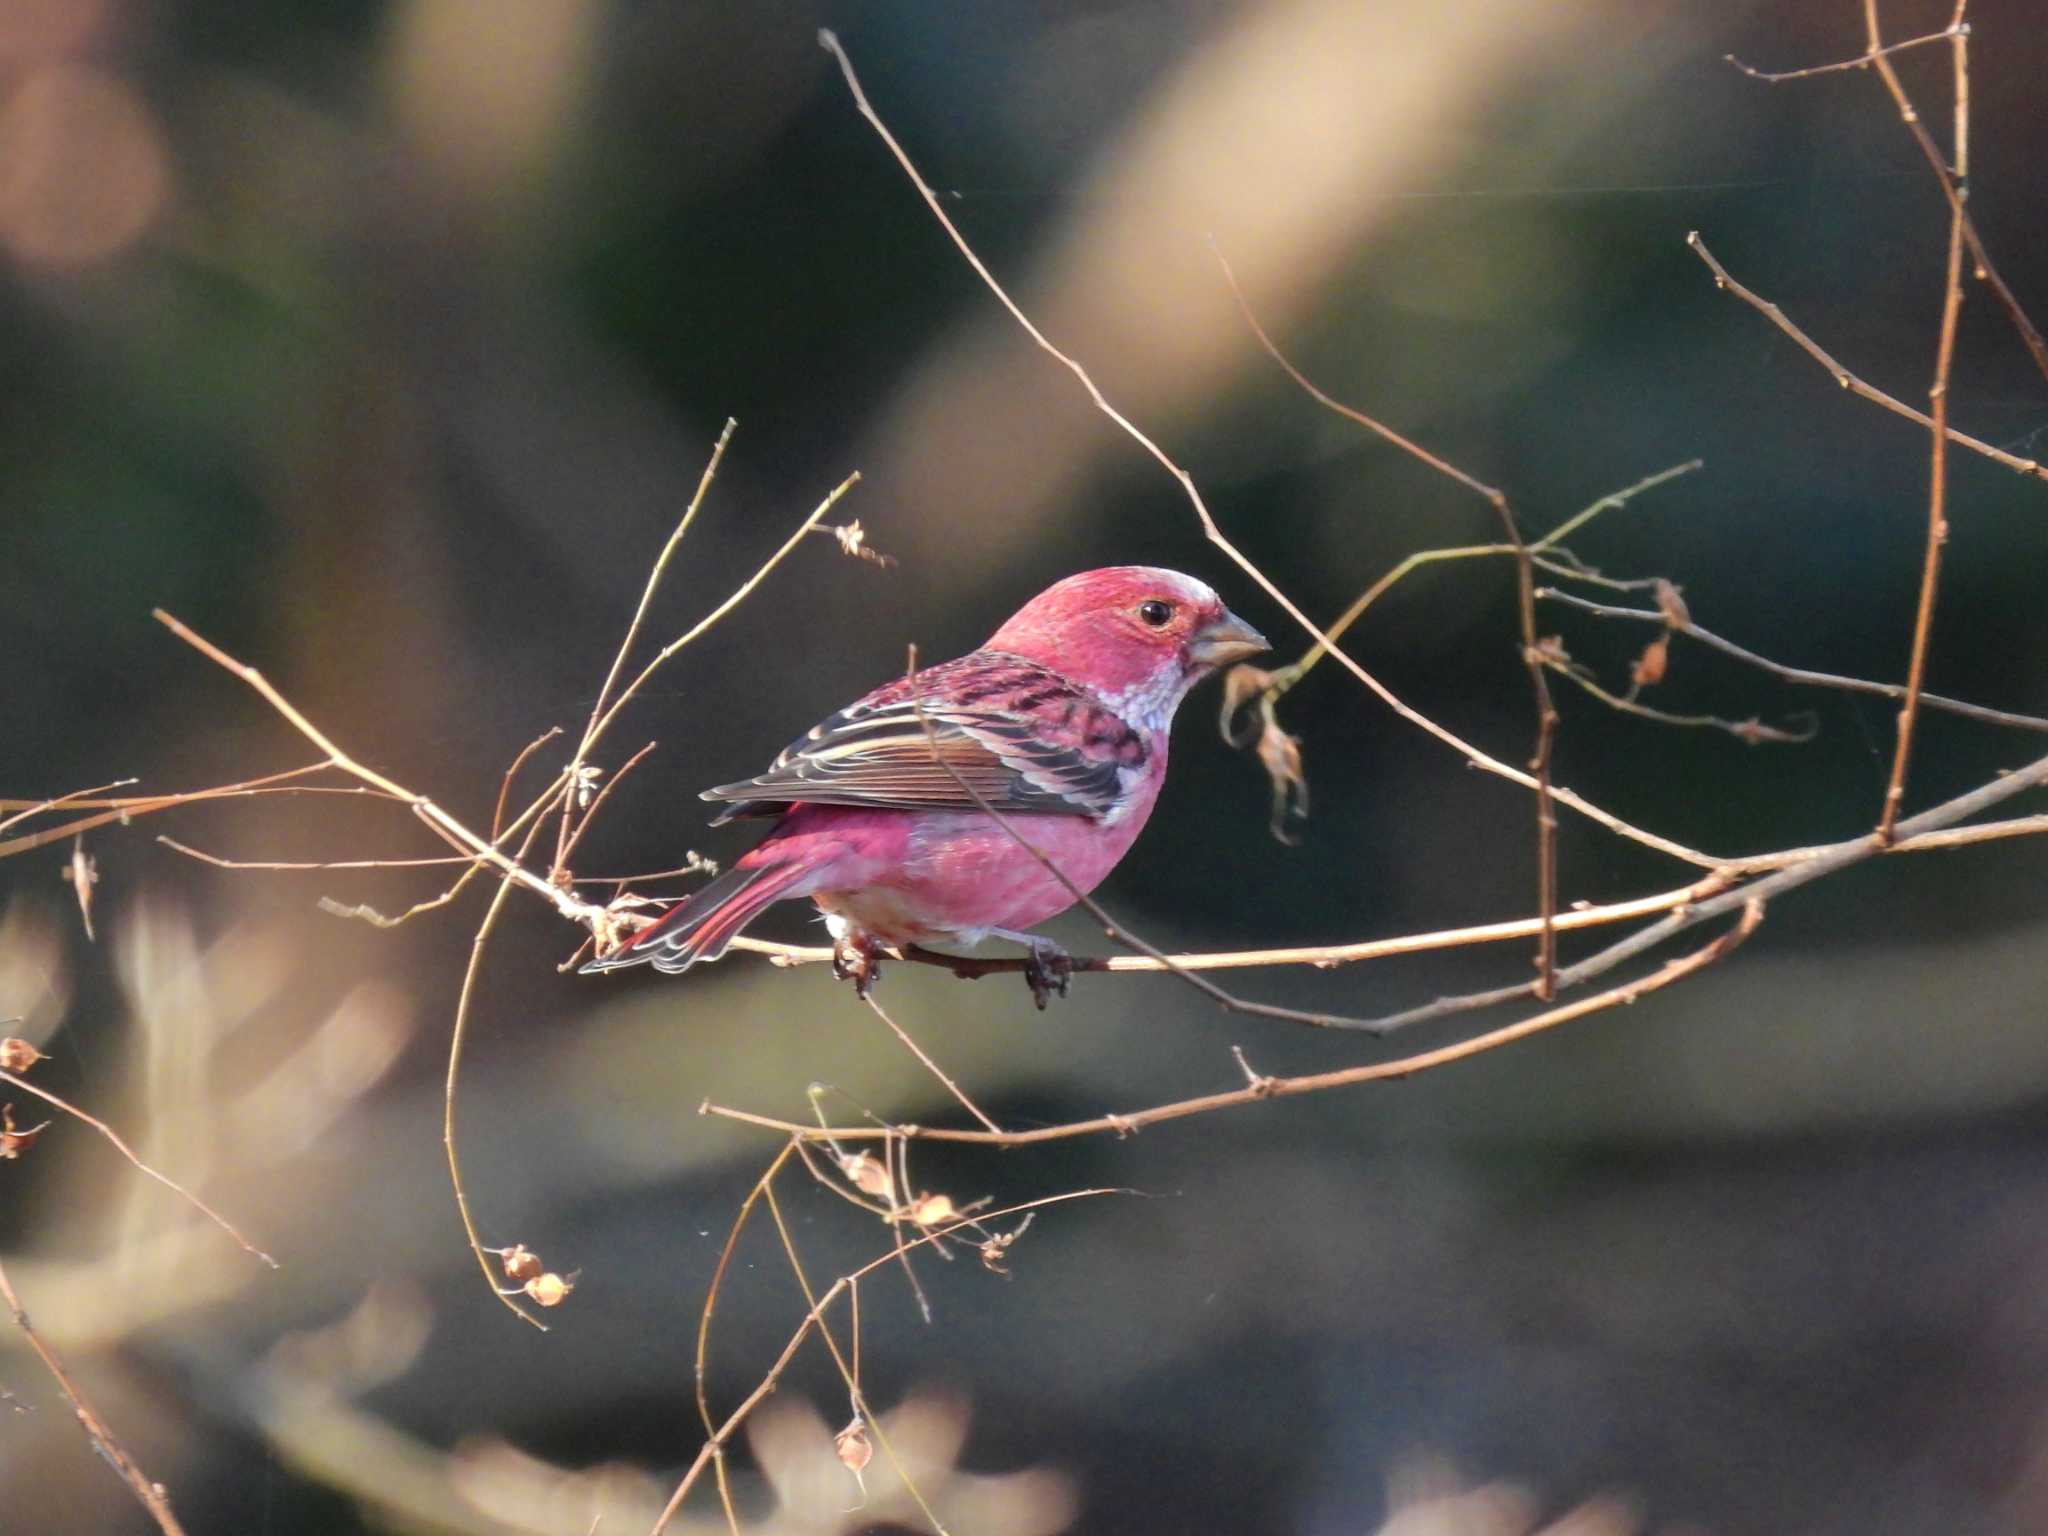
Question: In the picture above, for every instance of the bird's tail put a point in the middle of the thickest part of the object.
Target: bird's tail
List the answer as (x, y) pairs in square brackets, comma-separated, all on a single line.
[(702, 924)]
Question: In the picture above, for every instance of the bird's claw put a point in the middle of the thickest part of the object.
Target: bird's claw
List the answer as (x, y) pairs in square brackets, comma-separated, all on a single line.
[(1047, 969), (854, 959)]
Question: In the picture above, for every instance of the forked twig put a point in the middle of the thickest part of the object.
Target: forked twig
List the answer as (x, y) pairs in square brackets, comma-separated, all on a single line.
[(1937, 395), (930, 1066), (1959, 707), (1861, 61), (654, 575), (1261, 1088), (1211, 530), (712, 1452), (1525, 614)]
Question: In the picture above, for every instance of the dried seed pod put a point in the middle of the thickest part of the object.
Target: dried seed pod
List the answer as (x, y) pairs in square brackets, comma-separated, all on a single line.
[(14, 1142), (1650, 667), (548, 1290), (520, 1263), (868, 1174), (17, 1055), (1672, 606), (852, 1446), (933, 1210)]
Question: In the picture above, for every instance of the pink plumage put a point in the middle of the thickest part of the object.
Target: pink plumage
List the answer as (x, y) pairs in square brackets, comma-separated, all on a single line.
[(1059, 723)]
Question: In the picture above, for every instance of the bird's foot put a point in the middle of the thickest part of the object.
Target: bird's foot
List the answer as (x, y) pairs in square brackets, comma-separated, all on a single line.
[(1047, 969), (854, 959)]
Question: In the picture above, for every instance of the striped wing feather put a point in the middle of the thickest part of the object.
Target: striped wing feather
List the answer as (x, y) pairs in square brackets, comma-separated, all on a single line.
[(890, 753)]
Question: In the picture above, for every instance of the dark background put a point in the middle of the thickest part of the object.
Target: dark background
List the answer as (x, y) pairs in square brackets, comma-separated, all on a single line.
[(384, 343)]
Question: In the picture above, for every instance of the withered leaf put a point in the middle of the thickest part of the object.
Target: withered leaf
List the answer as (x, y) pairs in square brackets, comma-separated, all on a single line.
[(1672, 605), (1650, 667)]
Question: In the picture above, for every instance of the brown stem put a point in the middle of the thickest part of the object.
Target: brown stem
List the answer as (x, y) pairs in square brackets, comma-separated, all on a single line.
[(150, 1495), (1261, 1088), (1848, 380), (1944, 356)]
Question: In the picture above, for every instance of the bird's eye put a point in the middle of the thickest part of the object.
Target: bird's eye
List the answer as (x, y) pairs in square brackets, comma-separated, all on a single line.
[(1155, 612)]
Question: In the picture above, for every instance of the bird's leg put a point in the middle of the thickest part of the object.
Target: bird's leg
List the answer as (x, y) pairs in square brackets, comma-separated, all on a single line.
[(854, 959), (1047, 967)]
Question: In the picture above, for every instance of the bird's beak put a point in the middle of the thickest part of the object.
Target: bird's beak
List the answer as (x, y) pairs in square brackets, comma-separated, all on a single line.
[(1228, 639)]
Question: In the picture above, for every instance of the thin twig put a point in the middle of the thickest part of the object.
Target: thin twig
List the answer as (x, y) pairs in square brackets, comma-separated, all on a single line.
[(1263, 1088), (1954, 179), (739, 595), (127, 808), (713, 1448), (1800, 675), (1937, 394), (122, 1147), (930, 1066), (596, 805), (1844, 377), (1861, 61), (715, 1441), (1525, 613), (150, 1494), (430, 813), (511, 773), (1751, 731), (1814, 864), (654, 575), (289, 865), (847, 1373), (24, 809), (458, 1030), (1211, 530)]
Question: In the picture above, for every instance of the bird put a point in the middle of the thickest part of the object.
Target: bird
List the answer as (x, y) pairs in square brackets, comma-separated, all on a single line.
[(887, 813)]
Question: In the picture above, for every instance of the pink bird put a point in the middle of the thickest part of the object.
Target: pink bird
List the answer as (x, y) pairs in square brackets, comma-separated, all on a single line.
[(1059, 723)]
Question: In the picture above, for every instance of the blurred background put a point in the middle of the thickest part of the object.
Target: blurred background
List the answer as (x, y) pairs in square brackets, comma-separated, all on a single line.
[(384, 340)]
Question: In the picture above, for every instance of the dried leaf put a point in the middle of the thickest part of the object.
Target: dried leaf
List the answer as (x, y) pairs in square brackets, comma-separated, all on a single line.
[(1650, 667), (82, 873), (1280, 756), (853, 541), (1753, 732), (852, 1446), (17, 1055), (868, 1174), (13, 1141), (1241, 684), (1672, 606), (933, 1210)]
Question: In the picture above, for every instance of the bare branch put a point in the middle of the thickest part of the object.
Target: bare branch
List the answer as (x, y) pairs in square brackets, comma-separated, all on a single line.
[(1937, 395), (149, 1494), (1525, 613), (1260, 1088), (1861, 61), (1848, 380), (139, 1165), (1211, 530), (1800, 675)]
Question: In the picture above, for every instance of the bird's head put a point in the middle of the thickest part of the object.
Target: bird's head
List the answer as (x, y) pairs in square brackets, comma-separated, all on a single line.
[(1136, 636)]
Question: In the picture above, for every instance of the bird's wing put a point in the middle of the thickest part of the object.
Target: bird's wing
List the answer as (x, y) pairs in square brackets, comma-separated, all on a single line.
[(1025, 739)]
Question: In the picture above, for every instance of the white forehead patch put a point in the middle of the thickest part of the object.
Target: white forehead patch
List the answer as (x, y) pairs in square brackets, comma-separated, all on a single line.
[(1186, 588)]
